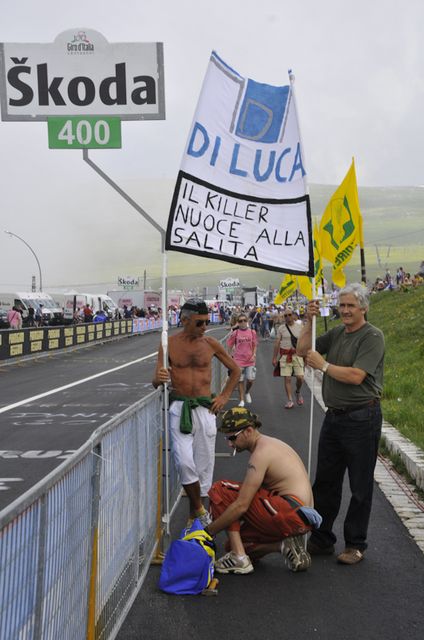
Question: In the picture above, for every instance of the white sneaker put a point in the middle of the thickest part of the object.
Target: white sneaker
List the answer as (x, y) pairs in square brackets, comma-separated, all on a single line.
[(230, 563), (248, 398), (295, 555), (205, 519), (241, 403)]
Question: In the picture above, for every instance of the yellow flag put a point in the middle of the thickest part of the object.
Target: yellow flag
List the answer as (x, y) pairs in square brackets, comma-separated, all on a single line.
[(338, 277), (341, 226), (304, 283), (287, 288), (319, 275)]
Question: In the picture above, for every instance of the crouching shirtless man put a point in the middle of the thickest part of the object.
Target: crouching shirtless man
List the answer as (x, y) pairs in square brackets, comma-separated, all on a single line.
[(192, 421), (271, 509)]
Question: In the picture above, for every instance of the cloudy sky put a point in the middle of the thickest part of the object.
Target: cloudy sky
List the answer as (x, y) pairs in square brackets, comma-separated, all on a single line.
[(359, 70)]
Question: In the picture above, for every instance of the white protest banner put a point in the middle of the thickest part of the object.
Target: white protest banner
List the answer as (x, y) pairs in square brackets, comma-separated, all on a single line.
[(81, 73), (241, 192)]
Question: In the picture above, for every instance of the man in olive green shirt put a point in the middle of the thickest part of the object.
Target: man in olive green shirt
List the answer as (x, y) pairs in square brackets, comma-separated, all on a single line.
[(352, 386)]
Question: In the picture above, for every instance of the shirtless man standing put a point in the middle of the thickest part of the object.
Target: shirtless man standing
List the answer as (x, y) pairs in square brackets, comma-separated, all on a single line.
[(192, 421), (271, 510)]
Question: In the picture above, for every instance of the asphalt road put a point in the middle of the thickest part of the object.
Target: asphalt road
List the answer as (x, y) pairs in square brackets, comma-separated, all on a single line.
[(49, 406), (380, 598)]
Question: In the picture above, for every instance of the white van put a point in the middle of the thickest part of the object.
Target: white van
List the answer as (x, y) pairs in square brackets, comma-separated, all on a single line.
[(128, 299), (102, 302), (73, 301), (69, 302), (51, 313)]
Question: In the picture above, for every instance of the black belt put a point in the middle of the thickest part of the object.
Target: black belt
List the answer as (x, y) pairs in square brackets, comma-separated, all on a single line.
[(339, 411), (296, 505)]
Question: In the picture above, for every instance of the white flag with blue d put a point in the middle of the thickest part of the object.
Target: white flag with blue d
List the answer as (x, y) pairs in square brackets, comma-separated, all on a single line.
[(241, 193)]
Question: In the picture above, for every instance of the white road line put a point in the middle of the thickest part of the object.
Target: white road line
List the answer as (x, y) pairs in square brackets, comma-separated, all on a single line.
[(73, 384)]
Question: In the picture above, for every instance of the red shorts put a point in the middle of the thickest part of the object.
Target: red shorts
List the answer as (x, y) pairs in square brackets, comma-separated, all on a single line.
[(269, 518)]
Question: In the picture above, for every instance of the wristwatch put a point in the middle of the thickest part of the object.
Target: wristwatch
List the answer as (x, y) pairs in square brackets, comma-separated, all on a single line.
[(325, 367)]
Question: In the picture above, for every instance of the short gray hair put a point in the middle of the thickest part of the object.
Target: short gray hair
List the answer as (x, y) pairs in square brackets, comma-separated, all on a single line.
[(192, 307), (187, 313), (359, 291)]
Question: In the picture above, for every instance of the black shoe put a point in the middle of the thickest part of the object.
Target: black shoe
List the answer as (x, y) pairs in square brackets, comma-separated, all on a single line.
[(315, 549)]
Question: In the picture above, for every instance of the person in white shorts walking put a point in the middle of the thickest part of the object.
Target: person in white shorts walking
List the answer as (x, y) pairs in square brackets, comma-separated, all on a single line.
[(285, 353)]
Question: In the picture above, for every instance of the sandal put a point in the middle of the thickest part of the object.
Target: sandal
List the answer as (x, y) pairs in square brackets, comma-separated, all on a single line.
[(299, 398), (289, 405)]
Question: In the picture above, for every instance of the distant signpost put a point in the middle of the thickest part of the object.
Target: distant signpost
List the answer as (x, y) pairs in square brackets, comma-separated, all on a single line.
[(128, 282)]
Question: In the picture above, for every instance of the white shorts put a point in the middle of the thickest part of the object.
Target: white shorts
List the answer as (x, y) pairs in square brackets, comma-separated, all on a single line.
[(194, 453), (247, 373), (295, 367)]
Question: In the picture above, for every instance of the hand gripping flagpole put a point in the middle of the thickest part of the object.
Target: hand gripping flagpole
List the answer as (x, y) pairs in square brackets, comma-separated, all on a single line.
[(164, 336), (311, 415)]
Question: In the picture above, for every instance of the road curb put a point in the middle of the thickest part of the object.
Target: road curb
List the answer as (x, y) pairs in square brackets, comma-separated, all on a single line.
[(410, 454)]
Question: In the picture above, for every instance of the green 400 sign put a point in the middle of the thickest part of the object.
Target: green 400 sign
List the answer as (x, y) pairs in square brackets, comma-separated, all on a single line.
[(91, 132)]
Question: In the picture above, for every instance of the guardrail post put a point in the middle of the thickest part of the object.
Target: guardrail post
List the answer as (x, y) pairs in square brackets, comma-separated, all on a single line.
[(38, 608), (92, 566), (138, 544), (163, 534)]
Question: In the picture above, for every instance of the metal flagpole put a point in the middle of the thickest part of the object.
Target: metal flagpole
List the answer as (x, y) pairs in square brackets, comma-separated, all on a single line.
[(164, 342), (164, 336), (361, 231), (311, 413), (311, 417)]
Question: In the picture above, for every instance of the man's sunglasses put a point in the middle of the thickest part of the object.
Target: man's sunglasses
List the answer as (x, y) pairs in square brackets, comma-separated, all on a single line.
[(234, 436), (200, 323), (242, 320)]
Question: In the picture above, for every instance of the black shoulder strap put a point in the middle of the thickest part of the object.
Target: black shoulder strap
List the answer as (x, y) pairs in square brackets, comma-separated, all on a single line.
[(290, 332)]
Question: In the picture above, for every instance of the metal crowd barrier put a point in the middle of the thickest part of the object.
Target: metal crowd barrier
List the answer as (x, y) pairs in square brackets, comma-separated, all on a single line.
[(75, 549), (16, 343)]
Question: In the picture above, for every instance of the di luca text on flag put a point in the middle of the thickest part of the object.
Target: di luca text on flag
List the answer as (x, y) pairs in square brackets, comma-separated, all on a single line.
[(241, 193)]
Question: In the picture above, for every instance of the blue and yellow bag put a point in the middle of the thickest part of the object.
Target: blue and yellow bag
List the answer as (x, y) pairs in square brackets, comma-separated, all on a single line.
[(188, 566)]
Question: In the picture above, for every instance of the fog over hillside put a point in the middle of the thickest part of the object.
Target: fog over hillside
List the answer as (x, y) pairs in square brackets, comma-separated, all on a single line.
[(89, 252), (353, 101)]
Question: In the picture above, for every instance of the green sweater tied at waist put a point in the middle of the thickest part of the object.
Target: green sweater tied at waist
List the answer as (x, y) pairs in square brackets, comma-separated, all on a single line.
[(186, 423)]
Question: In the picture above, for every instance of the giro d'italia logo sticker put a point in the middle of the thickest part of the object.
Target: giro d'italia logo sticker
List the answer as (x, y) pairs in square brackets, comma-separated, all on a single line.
[(80, 44)]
